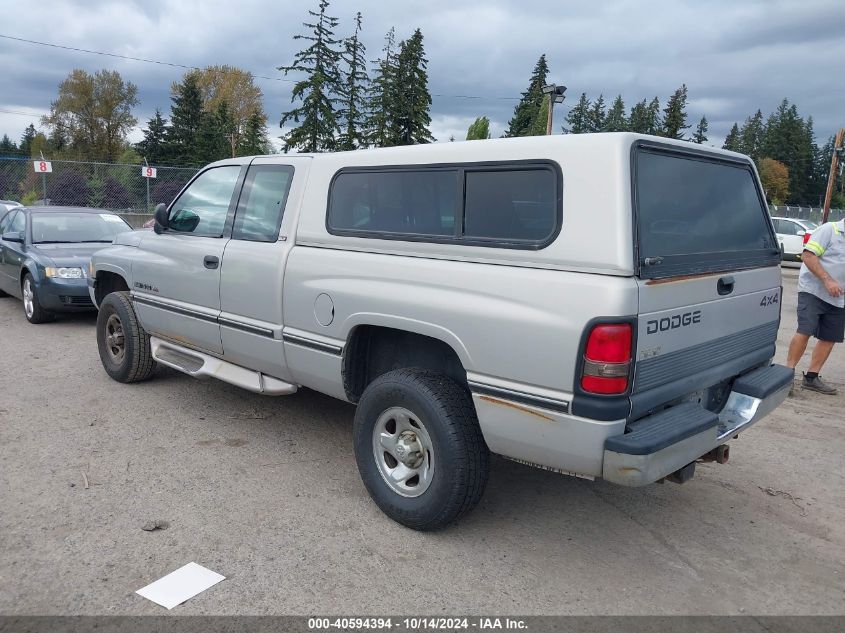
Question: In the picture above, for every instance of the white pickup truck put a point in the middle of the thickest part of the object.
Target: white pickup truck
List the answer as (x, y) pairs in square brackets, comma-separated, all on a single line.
[(598, 305)]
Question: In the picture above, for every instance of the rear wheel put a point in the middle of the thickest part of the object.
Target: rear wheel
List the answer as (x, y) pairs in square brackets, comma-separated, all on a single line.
[(31, 305), (123, 344), (419, 448)]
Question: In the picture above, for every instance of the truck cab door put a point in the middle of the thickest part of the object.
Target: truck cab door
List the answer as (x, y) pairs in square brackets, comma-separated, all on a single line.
[(254, 264), (176, 276)]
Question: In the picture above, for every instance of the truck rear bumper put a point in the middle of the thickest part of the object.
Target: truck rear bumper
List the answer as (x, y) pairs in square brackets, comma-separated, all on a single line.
[(662, 443)]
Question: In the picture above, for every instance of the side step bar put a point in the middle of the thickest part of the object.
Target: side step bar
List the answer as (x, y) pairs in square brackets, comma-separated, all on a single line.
[(202, 366)]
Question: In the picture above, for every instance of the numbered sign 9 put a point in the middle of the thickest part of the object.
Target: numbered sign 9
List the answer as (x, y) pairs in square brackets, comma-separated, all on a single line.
[(148, 172), (43, 166)]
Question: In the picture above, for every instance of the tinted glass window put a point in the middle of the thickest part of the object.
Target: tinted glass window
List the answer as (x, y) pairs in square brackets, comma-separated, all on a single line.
[(18, 223), (405, 202), (510, 204), (695, 208), (262, 203), (203, 206), (76, 227), (6, 221)]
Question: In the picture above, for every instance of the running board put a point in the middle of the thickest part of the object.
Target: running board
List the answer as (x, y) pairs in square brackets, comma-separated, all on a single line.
[(201, 366)]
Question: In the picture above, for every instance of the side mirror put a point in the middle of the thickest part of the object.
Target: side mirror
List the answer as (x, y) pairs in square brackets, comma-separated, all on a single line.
[(184, 221), (13, 236), (160, 215), (801, 233)]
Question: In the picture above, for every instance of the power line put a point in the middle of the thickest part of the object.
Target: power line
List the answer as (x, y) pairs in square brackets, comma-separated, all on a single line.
[(176, 65), (32, 114)]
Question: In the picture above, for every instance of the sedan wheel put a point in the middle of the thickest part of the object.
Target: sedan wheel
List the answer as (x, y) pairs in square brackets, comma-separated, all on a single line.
[(31, 305)]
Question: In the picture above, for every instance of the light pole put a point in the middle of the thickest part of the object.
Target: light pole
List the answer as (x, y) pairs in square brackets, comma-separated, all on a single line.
[(555, 96)]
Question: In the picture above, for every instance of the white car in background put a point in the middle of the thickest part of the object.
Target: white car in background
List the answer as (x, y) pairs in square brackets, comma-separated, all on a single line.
[(792, 234)]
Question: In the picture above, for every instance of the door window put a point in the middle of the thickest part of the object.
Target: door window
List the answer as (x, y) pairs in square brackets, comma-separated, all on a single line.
[(262, 203), (18, 224), (203, 206), (6, 222)]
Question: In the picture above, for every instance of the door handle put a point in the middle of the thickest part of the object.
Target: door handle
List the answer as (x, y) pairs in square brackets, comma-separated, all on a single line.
[(725, 286), (211, 261)]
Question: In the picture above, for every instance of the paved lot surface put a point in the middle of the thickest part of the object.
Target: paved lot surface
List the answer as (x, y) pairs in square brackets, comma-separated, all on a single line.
[(265, 491)]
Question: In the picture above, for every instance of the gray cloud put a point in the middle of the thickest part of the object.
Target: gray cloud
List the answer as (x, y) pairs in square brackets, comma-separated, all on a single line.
[(734, 56)]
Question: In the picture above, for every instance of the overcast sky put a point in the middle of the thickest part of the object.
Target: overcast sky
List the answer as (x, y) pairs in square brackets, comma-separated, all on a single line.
[(734, 55)]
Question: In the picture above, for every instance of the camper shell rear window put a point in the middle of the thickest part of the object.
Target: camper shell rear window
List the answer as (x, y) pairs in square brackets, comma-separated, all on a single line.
[(697, 213)]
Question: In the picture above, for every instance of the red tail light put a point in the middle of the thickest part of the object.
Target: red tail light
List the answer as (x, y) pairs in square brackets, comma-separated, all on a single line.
[(807, 236), (607, 359)]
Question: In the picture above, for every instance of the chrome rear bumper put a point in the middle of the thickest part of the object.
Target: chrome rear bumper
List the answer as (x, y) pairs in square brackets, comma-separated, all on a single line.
[(631, 463)]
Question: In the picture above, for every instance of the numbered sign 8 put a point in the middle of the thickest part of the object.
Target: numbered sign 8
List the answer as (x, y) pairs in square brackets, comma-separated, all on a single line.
[(43, 166)]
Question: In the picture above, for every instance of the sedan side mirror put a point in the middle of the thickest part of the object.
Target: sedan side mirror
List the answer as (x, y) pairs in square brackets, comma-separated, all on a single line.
[(13, 236), (161, 220), (801, 233)]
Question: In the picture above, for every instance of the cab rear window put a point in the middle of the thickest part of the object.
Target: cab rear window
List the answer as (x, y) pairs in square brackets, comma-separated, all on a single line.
[(696, 214)]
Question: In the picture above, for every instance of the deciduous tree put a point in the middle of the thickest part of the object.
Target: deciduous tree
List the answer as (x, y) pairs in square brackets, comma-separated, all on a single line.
[(774, 176), (479, 129), (95, 112)]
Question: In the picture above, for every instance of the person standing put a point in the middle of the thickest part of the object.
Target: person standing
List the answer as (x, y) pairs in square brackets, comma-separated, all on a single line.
[(821, 302)]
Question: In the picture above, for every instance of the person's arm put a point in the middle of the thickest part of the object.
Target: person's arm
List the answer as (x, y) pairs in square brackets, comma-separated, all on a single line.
[(814, 264)]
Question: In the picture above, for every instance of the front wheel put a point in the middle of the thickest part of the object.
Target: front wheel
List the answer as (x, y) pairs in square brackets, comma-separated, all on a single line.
[(419, 448), (123, 344), (31, 304)]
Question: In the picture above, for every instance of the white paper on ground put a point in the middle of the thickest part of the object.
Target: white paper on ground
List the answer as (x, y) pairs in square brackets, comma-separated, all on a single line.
[(180, 585)]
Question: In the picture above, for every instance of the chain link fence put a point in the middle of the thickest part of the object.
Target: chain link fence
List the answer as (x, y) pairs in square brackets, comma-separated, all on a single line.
[(118, 187)]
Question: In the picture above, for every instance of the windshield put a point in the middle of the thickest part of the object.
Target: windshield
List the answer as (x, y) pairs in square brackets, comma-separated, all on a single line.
[(76, 227), (698, 215), (810, 225)]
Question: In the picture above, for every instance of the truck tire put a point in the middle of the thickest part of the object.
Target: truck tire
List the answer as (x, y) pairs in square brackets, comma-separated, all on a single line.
[(31, 305), (419, 448), (124, 345)]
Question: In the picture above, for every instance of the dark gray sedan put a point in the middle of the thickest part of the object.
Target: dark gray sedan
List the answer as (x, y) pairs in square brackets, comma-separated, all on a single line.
[(44, 255)]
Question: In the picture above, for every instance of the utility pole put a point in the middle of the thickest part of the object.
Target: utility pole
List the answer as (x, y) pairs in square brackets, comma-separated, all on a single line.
[(555, 94), (838, 151)]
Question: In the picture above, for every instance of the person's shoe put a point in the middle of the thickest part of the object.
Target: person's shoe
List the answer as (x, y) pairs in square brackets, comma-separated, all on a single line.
[(817, 384)]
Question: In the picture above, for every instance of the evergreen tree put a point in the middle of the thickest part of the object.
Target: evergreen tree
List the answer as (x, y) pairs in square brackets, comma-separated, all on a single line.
[(655, 126), (751, 136), (675, 115), (526, 111), (353, 104), (700, 135), (413, 98), (732, 141), (381, 96), (154, 145), (597, 116), (29, 135), (187, 119), (789, 139), (638, 121), (318, 125), (541, 122), (479, 129), (578, 118), (254, 140), (616, 120), (7, 146)]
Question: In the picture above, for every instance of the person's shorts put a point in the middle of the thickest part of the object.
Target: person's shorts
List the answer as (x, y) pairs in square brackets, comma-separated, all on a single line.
[(820, 319)]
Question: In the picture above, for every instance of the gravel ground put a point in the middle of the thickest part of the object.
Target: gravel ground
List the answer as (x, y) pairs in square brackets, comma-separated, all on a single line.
[(265, 491)]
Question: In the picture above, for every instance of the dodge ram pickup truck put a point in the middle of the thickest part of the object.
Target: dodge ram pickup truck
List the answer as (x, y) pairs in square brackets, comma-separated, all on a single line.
[(599, 305)]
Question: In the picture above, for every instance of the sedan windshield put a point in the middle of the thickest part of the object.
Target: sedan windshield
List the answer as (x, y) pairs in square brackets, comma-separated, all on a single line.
[(76, 227)]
